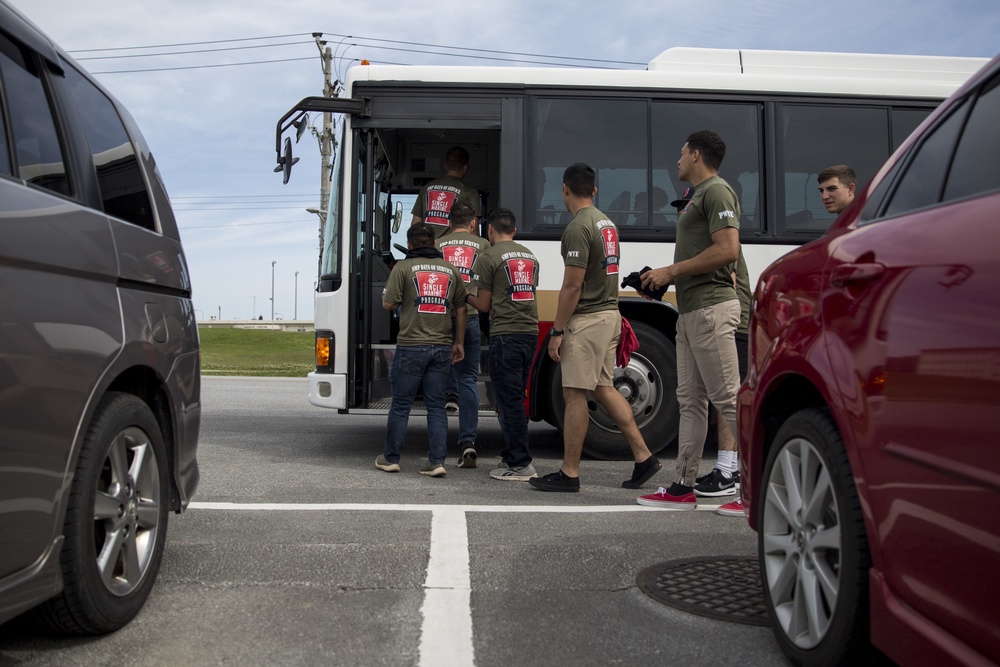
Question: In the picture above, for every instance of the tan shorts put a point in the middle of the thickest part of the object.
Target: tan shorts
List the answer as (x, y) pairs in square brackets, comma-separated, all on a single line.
[(588, 349)]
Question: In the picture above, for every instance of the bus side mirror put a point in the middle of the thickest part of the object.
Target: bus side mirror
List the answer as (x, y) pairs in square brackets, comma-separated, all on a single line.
[(397, 217), (285, 162)]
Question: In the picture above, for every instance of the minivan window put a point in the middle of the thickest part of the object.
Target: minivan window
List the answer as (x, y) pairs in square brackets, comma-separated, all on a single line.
[(39, 155), (974, 169), (123, 189), (923, 181)]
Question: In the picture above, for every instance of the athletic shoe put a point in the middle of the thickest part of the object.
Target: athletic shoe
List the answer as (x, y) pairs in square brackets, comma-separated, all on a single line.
[(433, 469), (556, 481), (468, 457), (641, 473), (677, 497), (715, 484), (734, 508), (736, 478), (451, 403), (382, 464), (516, 474)]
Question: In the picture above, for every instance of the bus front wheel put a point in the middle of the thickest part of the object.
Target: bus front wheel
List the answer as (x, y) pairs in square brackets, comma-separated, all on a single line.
[(649, 384)]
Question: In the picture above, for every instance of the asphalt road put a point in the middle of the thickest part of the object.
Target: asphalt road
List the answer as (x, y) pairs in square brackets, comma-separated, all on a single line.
[(297, 551)]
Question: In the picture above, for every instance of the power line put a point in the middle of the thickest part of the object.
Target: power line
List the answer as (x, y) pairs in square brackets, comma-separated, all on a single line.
[(170, 46), (183, 53)]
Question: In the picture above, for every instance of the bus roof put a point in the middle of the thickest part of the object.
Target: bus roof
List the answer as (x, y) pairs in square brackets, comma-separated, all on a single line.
[(719, 70)]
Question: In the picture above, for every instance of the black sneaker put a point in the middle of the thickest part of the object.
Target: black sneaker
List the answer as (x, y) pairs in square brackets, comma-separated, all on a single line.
[(556, 481), (642, 472), (715, 484)]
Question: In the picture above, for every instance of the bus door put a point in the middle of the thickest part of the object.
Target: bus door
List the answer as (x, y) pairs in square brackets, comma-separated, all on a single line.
[(375, 328)]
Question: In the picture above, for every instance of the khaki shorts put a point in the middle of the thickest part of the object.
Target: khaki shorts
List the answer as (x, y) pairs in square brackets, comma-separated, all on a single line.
[(588, 349)]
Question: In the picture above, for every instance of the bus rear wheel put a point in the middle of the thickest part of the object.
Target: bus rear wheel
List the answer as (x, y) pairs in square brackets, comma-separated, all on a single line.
[(649, 384)]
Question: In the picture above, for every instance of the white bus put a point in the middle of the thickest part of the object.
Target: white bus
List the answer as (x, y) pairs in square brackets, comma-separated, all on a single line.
[(785, 116)]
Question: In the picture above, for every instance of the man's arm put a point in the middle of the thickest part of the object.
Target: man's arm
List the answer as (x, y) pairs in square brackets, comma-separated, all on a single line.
[(389, 306), (569, 296), (725, 250), (415, 220), (458, 346), (481, 301)]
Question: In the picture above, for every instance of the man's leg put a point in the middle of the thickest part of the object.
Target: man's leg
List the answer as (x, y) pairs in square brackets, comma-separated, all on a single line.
[(576, 420), (404, 382), (435, 378), (692, 401), (467, 374)]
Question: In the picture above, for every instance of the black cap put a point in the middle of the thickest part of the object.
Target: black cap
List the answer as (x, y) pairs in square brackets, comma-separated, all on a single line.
[(685, 198)]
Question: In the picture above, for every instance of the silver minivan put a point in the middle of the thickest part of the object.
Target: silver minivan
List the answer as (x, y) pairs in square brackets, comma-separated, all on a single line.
[(100, 386)]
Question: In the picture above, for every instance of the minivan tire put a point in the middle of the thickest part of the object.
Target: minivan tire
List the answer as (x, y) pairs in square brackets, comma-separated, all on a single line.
[(116, 520)]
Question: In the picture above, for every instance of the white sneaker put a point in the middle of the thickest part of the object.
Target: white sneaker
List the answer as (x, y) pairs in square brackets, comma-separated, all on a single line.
[(522, 474), (433, 469)]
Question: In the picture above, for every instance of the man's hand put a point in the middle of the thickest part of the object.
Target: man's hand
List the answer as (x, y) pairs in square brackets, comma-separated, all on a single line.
[(457, 352), (657, 278), (555, 342)]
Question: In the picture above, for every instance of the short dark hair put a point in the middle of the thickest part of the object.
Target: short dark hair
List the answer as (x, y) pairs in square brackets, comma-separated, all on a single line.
[(461, 214), (710, 145), (456, 158), (420, 235), (502, 221), (841, 172), (580, 179)]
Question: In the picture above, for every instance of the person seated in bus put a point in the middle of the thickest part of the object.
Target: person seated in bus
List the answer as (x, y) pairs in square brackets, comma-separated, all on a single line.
[(434, 203), (658, 219), (426, 289), (585, 333), (462, 248), (507, 280), (706, 250), (836, 187)]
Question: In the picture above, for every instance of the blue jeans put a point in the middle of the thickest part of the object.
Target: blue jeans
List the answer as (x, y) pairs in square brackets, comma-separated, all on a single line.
[(463, 382), (510, 363), (411, 367)]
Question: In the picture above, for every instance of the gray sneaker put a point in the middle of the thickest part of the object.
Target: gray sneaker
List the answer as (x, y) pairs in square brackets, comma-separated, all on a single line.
[(433, 469), (468, 457), (522, 474), (382, 464)]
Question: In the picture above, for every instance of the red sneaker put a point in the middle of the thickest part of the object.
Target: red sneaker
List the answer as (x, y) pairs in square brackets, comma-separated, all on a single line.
[(734, 508), (677, 497)]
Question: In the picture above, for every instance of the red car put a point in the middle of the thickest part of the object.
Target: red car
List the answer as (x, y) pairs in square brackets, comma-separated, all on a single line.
[(870, 419)]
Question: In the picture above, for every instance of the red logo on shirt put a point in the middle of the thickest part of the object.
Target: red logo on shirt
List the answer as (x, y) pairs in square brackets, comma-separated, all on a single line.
[(521, 275), (610, 237), (462, 258), (439, 203), (432, 292)]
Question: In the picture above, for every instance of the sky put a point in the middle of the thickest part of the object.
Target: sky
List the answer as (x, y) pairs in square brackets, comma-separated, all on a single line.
[(207, 80)]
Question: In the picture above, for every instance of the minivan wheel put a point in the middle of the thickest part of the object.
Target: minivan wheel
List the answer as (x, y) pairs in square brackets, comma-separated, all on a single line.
[(812, 545), (116, 520)]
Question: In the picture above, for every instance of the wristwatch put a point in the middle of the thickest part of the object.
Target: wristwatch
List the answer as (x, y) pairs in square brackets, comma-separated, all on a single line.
[(556, 332)]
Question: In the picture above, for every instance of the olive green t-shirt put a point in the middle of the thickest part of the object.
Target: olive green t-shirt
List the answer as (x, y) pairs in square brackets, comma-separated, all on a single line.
[(743, 293), (462, 250), (426, 289), (509, 271), (436, 199), (590, 241), (713, 207)]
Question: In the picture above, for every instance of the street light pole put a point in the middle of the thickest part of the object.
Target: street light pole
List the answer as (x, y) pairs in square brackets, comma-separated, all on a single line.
[(272, 289), (296, 315)]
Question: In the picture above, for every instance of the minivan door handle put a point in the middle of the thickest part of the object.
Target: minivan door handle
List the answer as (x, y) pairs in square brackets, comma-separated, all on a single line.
[(848, 273)]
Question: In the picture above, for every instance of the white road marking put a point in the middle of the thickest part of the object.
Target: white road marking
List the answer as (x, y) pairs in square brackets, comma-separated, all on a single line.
[(446, 632)]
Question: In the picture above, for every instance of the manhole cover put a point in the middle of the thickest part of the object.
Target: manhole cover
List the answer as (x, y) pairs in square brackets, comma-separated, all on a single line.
[(722, 587)]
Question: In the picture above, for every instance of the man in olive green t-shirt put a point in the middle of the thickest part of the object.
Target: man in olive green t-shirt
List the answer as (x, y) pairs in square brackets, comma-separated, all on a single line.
[(461, 248), (507, 279), (585, 334), (705, 254), (433, 204), (426, 289)]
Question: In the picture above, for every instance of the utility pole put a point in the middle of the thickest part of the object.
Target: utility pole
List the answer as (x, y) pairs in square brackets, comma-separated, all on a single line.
[(327, 143), (296, 315), (272, 289)]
